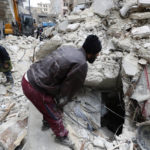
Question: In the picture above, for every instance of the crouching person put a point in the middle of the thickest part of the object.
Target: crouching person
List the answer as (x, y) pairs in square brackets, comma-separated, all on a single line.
[(59, 75), (5, 66)]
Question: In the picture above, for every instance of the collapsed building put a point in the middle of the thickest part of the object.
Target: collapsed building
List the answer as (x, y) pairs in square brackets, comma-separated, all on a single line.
[(114, 102)]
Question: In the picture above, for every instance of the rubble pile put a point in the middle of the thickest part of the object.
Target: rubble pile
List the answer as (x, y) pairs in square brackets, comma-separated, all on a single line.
[(123, 27), (124, 30), (13, 104)]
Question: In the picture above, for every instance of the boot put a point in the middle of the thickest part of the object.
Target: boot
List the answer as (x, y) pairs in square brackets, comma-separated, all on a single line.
[(9, 81), (64, 141), (45, 125)]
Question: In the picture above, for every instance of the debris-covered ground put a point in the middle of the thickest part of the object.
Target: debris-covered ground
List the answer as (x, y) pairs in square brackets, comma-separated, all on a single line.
[(115, 99)]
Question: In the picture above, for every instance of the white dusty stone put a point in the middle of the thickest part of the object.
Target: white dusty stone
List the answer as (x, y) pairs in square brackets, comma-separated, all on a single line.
[(144, 53), (144, 3), (62, 26), (142, 62), (73, 27), (130, 65), (140, 32), (47, 47), (124, 10), (76, 18), (102, 7), (124, 44), (140, 16), (147, 45), (98, 141), (3, 90)]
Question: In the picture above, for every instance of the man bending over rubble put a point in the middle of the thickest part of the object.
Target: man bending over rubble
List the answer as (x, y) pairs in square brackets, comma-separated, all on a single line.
[(59, 75), (5, 65)]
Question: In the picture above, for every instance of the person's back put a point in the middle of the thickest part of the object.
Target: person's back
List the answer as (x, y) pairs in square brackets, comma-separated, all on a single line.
[(49, 74)]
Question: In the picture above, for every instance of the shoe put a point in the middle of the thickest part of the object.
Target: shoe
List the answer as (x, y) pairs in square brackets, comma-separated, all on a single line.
[(64, 141), (45, 125)]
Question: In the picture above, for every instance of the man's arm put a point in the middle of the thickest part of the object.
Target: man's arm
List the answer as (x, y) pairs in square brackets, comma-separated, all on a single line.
[(73, 82)]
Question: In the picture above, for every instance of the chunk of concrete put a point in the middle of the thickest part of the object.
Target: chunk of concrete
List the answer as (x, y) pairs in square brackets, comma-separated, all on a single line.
[(75, 18), (62, 26), (147, 45), (144, 3), (127, 7), (140, 16), (130, 65), (9, 136), (124, 44), (46, 48), (144, 53), (38, 139), (73, 27), (3, 90), (141, 32), (102, 7)]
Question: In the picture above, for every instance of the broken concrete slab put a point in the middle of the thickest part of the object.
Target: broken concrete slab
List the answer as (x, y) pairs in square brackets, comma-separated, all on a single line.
[(123, 44), (140, 16), (9, 136), (141, 32), (147, 45), (126, 8), (47, 47), (144, 3), (144, 53), (38, 139), (63, 26), (3, 89), (142, 92), (130, 65), (103, 7), (76, 18), (73, 27)]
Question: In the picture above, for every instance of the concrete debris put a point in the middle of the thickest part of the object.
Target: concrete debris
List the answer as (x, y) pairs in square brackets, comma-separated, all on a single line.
[(73, 27), (144, 3), (140, 16), (147, 45), (142, 91), (105, 8), (76, 18), (13, 133), (127, 7), (62, 26), (141, 32), (123, 44), (45, 48), (130, 65), (121, 57)]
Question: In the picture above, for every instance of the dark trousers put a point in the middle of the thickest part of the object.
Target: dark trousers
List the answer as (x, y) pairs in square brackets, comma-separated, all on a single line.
[(46, 105)]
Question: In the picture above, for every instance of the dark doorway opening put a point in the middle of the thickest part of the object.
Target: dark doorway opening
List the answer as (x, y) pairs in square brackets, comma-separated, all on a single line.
[(113, 119)]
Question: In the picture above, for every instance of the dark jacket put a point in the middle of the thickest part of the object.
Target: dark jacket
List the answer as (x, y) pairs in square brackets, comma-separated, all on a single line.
[(4, 59), (3, 54), (61, 73)]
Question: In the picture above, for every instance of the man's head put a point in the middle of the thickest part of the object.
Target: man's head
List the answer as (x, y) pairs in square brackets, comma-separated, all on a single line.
[(92, 47)]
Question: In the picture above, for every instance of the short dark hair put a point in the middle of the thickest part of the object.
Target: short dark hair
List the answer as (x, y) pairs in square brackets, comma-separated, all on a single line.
[(92, 44)]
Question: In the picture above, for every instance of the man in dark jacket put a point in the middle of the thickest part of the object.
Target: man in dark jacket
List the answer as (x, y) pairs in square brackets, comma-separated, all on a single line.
[(59, 75), (5, 65)]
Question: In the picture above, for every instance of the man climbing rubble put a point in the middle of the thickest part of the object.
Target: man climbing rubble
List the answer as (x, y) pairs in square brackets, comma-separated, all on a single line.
[(59, 75), (5, 65)]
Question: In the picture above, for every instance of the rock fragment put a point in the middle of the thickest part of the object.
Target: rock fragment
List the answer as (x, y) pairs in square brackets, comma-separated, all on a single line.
[(140, 16), (73, 27), (130, 65), (63, 26), (141, 32), (47, 47), (103, 7), (144, 3)]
